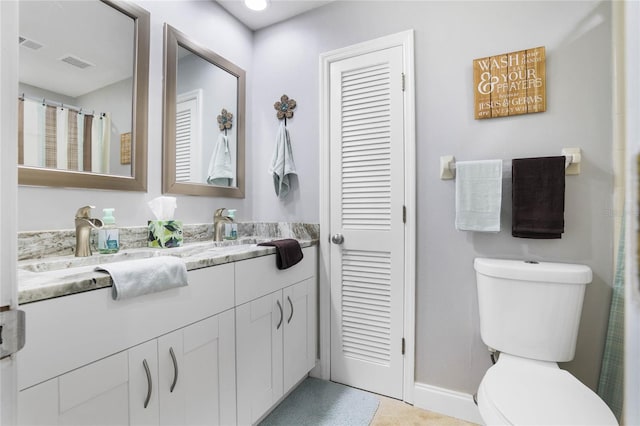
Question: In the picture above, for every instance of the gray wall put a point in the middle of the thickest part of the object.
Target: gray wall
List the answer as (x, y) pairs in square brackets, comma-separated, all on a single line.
[(448, 36)]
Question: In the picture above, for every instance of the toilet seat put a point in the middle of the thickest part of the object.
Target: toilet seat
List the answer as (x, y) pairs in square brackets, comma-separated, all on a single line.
[(526, 392)]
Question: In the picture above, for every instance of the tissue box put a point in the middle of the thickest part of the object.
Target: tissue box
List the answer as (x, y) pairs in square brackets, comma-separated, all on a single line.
[(165, 233)]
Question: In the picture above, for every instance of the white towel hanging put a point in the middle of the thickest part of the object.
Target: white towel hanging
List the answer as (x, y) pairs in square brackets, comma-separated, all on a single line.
[(137, 277), (282, 165), (478, 195), (220, 169)]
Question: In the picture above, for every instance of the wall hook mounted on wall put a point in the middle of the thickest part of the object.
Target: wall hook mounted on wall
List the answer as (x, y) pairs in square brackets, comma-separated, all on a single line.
[(225, 120), (285, 107)]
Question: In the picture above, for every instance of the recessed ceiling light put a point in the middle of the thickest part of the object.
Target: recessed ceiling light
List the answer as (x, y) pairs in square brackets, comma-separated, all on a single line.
[(256, 4)]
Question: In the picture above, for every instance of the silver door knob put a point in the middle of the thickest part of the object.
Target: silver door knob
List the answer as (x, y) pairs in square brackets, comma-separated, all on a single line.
[(337, 238)]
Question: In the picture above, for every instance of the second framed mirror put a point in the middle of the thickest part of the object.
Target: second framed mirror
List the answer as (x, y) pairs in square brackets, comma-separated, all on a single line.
[(204, 120)]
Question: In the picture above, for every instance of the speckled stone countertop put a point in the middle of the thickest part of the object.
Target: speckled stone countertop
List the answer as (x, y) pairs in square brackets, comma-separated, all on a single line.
[(45, 277)]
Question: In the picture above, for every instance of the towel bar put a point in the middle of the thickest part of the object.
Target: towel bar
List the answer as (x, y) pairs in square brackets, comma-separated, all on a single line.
[(572, 164)]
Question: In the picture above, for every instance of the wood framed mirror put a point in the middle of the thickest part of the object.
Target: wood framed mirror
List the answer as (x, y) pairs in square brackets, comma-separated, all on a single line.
[(201, 157), (84, 90)]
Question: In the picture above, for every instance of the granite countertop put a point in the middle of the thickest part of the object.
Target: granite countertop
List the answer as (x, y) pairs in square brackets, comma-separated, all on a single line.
[(42, 279)]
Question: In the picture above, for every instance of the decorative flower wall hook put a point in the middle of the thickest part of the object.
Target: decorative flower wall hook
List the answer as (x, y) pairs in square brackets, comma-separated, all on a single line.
[(285, 107), (225, 120)]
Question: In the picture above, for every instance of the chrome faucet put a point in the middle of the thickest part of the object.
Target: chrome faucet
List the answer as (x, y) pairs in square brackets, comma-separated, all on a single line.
[(219, 220), (84, 225)]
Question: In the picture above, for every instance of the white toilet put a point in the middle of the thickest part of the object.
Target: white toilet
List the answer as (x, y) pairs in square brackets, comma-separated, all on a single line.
[(530, 313)]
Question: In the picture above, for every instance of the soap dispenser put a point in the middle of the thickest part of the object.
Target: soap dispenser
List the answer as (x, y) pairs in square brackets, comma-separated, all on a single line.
[(231, 229), (108, 235)]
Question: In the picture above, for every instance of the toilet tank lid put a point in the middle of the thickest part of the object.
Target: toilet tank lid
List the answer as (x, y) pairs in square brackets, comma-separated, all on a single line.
[(567, 273)]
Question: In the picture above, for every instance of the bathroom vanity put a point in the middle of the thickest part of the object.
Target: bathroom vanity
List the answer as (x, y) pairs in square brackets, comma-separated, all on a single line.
[(221, 351)]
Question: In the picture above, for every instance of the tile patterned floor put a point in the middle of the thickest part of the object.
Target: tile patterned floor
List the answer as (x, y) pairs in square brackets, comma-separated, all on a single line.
[(392, 412)]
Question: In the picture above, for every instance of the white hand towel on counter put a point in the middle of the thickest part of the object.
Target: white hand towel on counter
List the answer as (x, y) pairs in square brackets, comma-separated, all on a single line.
[(282, 165), (133, 278), (220, 169), (478, 195)]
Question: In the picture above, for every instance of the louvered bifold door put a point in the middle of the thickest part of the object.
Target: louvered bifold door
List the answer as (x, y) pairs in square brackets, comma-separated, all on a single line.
[(367, 197)]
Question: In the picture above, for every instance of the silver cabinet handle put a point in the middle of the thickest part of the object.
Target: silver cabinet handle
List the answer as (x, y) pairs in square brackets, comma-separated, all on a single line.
[(290, 304), (337, 238), (149, 383), (281, 315), (175, 369)]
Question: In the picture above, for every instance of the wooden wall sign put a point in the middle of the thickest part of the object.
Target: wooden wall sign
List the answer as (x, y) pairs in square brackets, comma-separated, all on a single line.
[(510, 84)]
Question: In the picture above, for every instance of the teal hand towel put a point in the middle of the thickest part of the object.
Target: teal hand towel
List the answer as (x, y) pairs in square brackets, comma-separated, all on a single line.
[(478, 195), (282, 165)]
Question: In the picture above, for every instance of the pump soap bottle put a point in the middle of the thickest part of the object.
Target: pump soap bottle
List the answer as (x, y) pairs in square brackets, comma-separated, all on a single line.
[(231, 229), (108, 235)]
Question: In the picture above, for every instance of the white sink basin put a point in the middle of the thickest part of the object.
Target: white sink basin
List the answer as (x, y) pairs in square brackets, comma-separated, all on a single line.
[(188, 250)]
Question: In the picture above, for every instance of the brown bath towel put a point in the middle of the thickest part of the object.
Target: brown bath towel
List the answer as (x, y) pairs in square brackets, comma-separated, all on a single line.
[(288, 252), (538, 197)]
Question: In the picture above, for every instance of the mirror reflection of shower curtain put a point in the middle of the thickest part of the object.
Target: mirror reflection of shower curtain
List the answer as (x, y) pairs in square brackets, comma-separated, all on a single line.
[(62, 138)]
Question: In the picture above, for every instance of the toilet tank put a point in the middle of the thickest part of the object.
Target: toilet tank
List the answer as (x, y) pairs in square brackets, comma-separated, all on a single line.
[(531, 309)]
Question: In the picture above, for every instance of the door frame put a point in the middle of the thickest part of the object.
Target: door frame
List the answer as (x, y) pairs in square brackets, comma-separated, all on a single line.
[(8, 196), (404, 39)]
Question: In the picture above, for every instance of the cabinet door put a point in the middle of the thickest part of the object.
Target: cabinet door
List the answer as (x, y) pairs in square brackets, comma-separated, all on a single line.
[(299, 331), (96, 394), (197, 373), (143, 384), (259, 329), (38, 405), (171, 390)]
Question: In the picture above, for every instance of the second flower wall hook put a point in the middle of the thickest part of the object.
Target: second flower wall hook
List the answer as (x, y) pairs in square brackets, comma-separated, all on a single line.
[(284, 108), (225, 120)]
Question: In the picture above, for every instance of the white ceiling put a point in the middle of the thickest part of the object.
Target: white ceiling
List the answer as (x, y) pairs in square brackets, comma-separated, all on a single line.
[(91, 31), (278, 10)]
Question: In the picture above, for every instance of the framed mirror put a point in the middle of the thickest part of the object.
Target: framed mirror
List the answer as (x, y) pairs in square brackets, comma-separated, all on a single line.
[(204, 124), (84, 86)]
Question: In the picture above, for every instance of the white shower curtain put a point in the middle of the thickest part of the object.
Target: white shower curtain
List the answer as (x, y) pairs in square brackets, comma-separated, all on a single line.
[(100, 143), (62, 137), (33, 131), (55, 137)]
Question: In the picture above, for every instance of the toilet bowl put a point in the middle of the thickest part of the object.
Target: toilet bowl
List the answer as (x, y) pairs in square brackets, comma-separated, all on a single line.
[(518, 391), (530, 313)]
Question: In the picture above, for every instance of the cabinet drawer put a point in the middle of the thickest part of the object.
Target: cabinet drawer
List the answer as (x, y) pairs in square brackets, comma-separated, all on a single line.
[(260, 276), (90, 381)]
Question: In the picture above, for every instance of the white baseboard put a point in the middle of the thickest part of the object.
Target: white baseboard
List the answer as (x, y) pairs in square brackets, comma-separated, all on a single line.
[(444, 401)]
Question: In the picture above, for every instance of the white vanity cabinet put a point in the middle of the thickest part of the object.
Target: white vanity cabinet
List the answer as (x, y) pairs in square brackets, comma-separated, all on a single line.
[(275, 332), (144, 386), (183, 356), (84, 362)]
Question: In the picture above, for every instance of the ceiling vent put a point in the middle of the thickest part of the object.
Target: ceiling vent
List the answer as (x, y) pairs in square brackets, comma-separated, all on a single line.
[(76, 62), (34, 45)]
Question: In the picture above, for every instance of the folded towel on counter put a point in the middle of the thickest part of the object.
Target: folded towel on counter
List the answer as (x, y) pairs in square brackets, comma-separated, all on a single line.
[(538, 197), (478, 195), (220, 170), (288, 252), (282, 165), (133, 278)]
